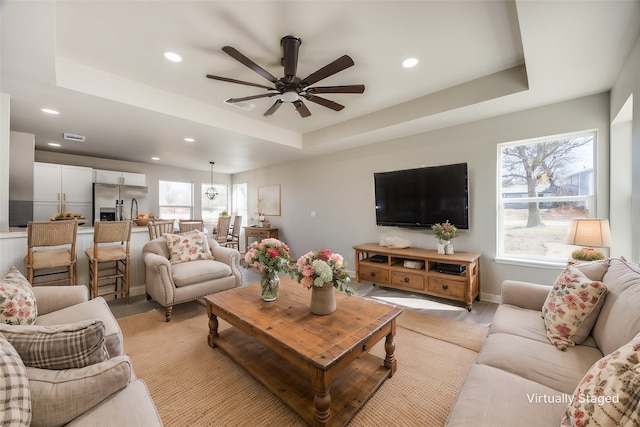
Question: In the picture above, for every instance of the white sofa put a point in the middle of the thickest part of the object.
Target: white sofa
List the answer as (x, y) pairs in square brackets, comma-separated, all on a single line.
[(101, 394), (520, 378)]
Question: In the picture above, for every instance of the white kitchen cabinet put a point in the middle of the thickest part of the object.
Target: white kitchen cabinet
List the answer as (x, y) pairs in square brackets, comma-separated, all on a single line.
[(61, 188), (119, 178)]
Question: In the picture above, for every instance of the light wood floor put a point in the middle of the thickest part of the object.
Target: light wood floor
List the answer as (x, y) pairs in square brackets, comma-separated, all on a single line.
[(482, 312)]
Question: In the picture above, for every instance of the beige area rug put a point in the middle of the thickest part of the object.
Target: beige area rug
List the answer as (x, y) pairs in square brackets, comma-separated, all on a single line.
[(195, 385)]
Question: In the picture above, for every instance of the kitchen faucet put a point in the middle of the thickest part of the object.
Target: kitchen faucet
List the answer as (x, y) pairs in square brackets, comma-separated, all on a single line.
[(131, 213)]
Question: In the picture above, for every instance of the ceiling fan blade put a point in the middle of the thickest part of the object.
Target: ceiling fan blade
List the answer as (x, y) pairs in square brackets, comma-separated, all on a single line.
[(290, 48), (337, 89), (240, 82), (273, 108), (328, 70), (235, 54), (325, 102), (247, 98), (302, 109)]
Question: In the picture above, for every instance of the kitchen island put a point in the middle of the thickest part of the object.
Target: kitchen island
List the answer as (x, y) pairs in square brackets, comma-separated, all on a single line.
[(13, 249)]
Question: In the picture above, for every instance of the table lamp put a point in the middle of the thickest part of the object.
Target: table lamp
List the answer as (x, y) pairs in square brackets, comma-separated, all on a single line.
[(589, 233)]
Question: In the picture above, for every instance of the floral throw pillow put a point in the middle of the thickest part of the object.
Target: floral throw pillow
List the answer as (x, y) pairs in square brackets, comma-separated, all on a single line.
[(189, 246), (17, 301), (572, 307), (608, 393)]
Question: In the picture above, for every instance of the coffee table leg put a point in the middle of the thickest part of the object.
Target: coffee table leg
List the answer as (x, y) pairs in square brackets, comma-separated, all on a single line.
[(390, 347), (322, 399), (213, 327)]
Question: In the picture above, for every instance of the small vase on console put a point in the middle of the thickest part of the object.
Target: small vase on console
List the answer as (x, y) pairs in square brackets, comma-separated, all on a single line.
[(442, 245)]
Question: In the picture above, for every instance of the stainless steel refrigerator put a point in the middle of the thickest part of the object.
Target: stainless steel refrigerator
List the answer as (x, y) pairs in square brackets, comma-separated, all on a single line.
[(113, 202)]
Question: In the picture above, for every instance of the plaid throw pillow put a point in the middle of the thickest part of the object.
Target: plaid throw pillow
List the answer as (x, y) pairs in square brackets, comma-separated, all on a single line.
[(58, 347), (15, 398), (17, 302)]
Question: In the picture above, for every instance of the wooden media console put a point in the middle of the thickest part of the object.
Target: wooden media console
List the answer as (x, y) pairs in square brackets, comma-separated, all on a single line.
[(417, 270)]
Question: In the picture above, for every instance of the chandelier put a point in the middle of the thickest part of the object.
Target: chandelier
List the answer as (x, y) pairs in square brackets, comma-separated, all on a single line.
[(211, 192)]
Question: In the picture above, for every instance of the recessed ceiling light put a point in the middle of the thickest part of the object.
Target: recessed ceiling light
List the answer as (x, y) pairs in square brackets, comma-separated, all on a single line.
[(189, 139), (54, 144), (410, 62), (49, 111), (155, 158), (173, 57)]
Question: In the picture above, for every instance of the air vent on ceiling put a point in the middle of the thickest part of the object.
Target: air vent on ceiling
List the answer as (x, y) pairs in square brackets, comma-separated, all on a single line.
[(74, 137), (242, 105)]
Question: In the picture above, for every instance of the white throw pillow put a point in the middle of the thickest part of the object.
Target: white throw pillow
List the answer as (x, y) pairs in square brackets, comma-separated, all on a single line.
[(608, 393), (189, 246), (17, 301), (572, 307)]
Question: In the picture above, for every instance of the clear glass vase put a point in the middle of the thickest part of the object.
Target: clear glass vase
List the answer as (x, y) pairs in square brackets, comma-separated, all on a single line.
[(270, 286)]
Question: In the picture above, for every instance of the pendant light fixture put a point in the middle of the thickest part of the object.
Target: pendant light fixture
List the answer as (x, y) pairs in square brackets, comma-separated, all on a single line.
[(211, 192)]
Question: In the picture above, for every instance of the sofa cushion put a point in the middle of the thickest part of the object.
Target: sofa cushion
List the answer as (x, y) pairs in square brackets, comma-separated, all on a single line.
[(60, 396), (572, 307), (200, 271), (15, 397), (96, 308), (58, 347), (608, 393), (492, 397), (538, 361), (594, 270), (523, 322), (189, 246), (17, 302), (619, 319), (131, 406)]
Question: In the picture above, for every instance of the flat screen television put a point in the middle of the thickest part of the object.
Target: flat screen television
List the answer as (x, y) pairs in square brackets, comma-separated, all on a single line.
[(419, 198)]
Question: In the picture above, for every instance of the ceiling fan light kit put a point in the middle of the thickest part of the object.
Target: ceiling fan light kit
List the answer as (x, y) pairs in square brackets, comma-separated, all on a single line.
[(290, 88)]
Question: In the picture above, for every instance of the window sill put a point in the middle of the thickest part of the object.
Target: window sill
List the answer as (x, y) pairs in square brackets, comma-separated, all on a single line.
[(551, 265)]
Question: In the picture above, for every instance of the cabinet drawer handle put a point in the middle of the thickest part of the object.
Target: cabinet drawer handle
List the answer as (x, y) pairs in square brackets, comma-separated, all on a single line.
[(406, 280), (373, 274), (445, 287)]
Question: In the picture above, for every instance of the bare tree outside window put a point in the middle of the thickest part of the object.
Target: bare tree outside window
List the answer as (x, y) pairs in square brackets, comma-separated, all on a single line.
[(175, 199), (543, 185)]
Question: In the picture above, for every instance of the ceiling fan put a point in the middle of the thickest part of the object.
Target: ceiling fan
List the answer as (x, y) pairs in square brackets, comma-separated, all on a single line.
[(291, 88)]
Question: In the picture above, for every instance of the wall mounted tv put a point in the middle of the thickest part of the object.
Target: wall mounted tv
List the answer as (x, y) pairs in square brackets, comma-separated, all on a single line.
[(419, 198)]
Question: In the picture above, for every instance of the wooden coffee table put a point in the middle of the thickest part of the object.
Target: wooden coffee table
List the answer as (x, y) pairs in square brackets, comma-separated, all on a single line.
[(320, 366)]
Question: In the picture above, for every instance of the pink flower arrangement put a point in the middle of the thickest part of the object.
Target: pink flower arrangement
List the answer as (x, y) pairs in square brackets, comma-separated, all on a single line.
[(315, 268), (268, 256)]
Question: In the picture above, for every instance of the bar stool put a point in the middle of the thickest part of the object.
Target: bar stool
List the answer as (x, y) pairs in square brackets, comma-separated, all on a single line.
[(109, 258), (42, 253)]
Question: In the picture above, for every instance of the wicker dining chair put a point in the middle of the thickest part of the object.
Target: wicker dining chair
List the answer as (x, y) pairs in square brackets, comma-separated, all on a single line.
[(53, 263), (233, 238), (109, 258), (222, 230), (190, 225), (159, 227)]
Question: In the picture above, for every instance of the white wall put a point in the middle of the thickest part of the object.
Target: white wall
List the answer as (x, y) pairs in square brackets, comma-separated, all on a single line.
[(4, 161), (628, 85), (339, 187)]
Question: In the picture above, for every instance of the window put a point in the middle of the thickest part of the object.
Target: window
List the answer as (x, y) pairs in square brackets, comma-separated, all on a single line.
[(542, 185), (241, 202), (211, 209), (175, 199)]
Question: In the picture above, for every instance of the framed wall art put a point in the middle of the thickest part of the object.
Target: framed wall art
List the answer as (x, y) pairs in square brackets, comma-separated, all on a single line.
[(269, 200)]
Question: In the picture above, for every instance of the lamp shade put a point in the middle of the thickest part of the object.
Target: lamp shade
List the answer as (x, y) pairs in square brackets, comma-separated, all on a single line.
[(591, 232)]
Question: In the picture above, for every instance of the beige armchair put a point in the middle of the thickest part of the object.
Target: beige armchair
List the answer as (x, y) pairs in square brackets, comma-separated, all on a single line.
[(171, 284)]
